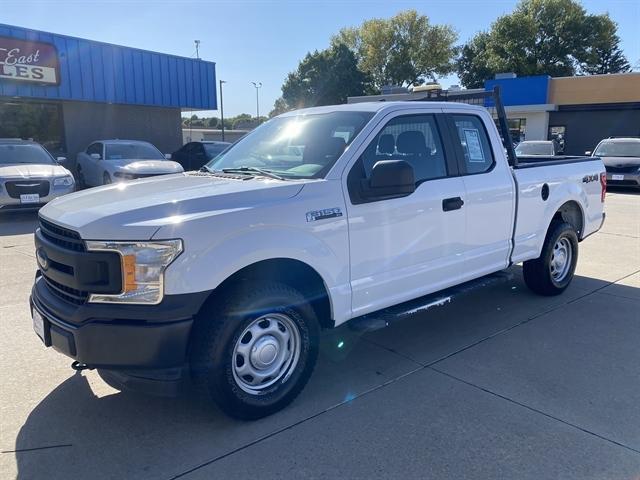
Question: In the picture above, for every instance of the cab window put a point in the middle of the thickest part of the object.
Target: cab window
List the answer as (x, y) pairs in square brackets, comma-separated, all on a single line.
[(414, 139), (476, 148)]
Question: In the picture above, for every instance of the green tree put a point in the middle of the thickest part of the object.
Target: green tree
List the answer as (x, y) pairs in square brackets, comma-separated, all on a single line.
[(280, 106), (323, 78), (543, 37), (473, 63), (403, 50), (212, 122), (603, 53)]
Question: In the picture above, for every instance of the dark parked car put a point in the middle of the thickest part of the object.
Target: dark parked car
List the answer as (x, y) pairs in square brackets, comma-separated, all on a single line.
[(194, 155)]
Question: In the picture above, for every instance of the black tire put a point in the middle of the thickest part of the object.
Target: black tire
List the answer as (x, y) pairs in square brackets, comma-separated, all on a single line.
[(106, 179), (217, 333), (540, 275)]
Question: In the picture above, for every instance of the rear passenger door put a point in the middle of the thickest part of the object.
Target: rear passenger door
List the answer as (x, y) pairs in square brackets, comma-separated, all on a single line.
[(402, 248), (490, 197)]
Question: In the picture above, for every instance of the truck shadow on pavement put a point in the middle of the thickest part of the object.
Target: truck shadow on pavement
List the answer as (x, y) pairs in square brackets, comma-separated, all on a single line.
[(75, 433), (18, 223)]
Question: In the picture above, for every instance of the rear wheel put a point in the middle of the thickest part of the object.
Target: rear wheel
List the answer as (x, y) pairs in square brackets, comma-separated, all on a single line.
[(552, 272), (253, 352)]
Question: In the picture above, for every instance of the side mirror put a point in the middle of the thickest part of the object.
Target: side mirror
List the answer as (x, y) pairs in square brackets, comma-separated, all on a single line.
[(390, 178), (95, 156), (588, 152), (167, 156), (61, 160)]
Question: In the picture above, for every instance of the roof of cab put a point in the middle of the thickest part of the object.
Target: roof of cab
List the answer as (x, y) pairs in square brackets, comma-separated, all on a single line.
[(376, 107)]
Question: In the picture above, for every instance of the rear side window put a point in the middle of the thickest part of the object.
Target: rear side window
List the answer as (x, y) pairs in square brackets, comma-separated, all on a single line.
[(95, 148), (414, 139), (478, 157)]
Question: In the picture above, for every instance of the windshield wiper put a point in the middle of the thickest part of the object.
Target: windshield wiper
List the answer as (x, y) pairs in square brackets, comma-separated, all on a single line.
[(250, 170), (204, 168)]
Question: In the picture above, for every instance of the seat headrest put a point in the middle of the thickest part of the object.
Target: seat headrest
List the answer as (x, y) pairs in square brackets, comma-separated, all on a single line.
[(411, 142), (386, 144), (324, 151)]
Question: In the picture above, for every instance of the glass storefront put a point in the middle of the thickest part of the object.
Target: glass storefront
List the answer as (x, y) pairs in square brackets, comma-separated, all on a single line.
[(41, 122)]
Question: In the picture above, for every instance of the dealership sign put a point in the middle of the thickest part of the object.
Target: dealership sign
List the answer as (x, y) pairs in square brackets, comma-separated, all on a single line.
[(26, 61)]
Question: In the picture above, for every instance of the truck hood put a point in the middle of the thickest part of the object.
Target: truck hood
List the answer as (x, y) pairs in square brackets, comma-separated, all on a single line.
[(620, 161), (136, 210), (146, 166), (25, 171)]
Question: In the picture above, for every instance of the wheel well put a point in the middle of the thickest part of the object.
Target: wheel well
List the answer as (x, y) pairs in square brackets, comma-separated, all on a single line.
[(291, 272), (571, 213)]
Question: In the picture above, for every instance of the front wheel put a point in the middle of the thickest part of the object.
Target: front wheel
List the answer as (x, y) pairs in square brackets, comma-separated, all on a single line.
[(254, 350), (552, 272), (106, 179)]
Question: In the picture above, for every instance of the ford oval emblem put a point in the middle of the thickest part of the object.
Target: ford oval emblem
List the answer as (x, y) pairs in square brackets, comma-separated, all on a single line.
[(43, 260)]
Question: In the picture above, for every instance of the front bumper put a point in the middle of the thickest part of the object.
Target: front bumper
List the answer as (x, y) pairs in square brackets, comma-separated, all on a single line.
[(9, 203), (623, 179), (148, 343)]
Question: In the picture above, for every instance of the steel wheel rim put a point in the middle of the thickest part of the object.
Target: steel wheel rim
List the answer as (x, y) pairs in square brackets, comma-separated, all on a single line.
[(266, 352), (561, 258)]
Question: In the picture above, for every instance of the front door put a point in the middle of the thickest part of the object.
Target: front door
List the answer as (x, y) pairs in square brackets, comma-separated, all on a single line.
[(403, 248)]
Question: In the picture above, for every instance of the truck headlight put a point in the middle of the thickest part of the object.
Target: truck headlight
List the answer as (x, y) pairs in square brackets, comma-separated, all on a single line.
[(143, 266), (63, 181)]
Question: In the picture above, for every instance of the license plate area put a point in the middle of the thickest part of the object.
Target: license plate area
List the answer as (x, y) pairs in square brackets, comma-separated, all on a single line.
[(29, 198), (41, 326), (617, 177)]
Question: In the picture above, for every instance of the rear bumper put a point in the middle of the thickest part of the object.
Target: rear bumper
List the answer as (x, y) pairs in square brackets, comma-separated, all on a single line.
[(135, 340)]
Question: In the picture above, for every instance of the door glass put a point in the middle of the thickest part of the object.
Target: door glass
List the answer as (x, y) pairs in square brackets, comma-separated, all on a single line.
[(478, 157), (414, 139)]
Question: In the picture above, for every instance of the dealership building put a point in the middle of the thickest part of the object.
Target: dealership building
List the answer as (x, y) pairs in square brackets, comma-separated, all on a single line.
[(583, 110), (67, 92)]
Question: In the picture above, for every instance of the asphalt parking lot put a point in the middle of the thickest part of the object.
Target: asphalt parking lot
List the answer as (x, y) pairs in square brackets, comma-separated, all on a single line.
[(503, 384)]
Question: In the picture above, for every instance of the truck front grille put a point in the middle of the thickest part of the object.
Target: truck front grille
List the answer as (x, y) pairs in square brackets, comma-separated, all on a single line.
[(15, 188), (63, 237), (66, 293)]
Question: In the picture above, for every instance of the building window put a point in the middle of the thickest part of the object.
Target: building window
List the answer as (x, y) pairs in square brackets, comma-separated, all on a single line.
[(41, 122), (517, 129)]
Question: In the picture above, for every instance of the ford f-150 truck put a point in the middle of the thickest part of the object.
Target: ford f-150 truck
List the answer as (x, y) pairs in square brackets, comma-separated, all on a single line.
[(320, 216)]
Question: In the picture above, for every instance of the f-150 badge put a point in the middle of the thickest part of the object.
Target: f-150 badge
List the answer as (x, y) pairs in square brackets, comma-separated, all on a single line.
[(323, 214)]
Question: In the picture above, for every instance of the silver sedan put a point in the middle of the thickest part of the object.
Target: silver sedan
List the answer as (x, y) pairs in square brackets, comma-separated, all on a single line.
[(114, 161), (30, 176)]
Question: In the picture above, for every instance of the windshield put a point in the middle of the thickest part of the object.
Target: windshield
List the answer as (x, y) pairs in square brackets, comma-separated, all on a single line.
[(618, 149), (132, 151), (303, 146), (214, 149), (25, 153), (536, 148)]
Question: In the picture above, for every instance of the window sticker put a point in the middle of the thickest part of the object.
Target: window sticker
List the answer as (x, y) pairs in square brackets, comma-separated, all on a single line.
[(474, 147)]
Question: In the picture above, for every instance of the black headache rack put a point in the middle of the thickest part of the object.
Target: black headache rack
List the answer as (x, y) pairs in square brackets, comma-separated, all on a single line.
[(491, 100)]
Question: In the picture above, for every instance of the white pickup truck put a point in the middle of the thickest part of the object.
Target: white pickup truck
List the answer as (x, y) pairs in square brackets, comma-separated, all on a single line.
[(318, 217)]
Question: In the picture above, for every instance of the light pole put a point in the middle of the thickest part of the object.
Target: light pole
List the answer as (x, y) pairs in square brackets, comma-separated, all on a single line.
[(197, 42), (257, 85), (222, 109)]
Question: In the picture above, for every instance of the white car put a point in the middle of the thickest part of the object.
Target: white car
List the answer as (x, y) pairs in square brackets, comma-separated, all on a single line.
[(30, 176), (228, 274), (534, 148), (114, 161)]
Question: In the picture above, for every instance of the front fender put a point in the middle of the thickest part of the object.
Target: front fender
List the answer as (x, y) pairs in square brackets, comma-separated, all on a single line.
[(204, 266)]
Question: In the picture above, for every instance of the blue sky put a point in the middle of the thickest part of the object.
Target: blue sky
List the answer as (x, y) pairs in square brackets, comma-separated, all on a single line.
[(252, 40)]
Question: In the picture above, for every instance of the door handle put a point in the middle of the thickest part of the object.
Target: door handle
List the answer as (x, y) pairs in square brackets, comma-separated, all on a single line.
[(454, 203)]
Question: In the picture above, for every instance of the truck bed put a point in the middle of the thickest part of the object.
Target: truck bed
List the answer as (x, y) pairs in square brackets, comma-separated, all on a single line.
[(530, 161)]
